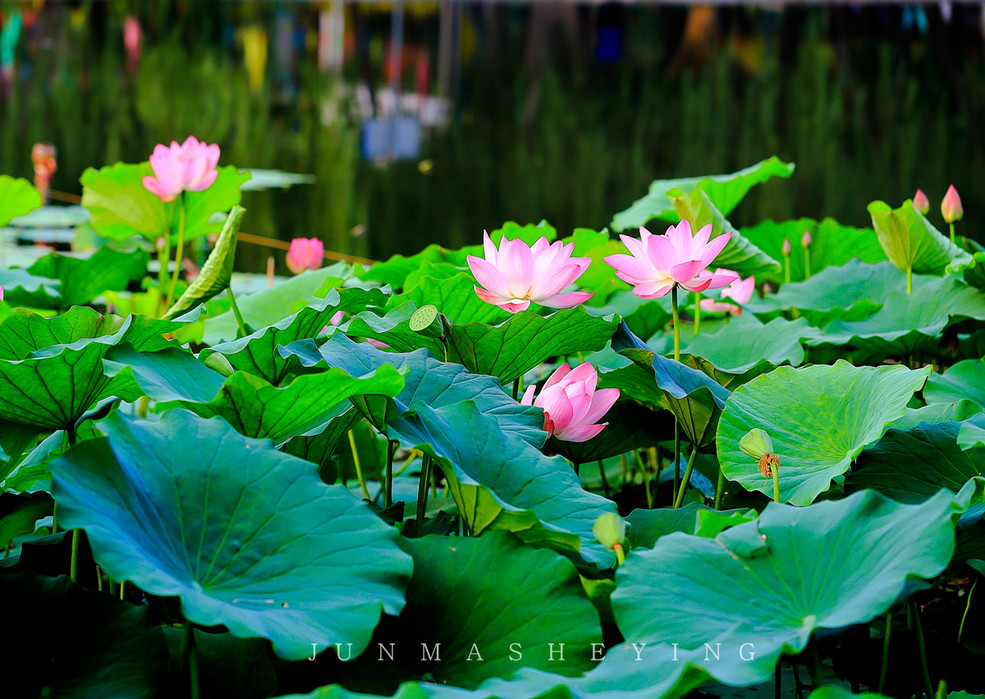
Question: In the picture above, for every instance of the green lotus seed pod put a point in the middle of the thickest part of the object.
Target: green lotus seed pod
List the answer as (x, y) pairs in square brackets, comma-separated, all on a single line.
[(610, 530), (427, 321), (756, 443)]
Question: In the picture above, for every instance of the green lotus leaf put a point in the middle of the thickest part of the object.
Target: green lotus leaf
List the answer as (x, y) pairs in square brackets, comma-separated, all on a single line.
[(19, 514), (247, 537), (394, 271), (908, 323), (17, 197), (694, 398), (936, 412), (84, 276), (454, 296), (962, 381), (94, 645), (519, 598), (647, 526), (217, 271), (249, 403), (271, 305), (911, 466), (21, 288), (120, 206), (791, 571), (498, 477), (745, 343), (819, 418), (739, 255), (910, 240), (725, 191), (832, 244), (257, 353), (972, 433)]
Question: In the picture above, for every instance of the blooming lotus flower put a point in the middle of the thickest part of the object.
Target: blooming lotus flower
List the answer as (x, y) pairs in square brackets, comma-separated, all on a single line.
[(305, 253), (951, 206), (189, 167), (572, 406), (658, 262), (516, 274), (920, 202), (739, 291)]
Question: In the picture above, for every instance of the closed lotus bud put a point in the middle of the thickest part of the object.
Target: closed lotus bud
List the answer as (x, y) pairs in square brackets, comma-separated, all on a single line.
[(610, 530), (806, 239), (951, 206), (921, 203), (756, 444), (786, 246)]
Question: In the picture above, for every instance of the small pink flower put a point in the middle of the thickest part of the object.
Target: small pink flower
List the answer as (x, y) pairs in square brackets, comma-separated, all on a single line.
[(806, 239), (517, 274), (786, 247), (571, 404), (190, 167), (920, 202), (740, 291), (305, 253), (657, 262), (951, 206)]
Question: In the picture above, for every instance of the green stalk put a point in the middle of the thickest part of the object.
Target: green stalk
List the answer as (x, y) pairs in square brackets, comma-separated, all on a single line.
[(422, 491), (355, 461), (697, 312), (687, 477), (776, 483), (189, 656), (179, 250), (243, 329), (677, 453), (163, 259), (924, 669), (677, 324), (909, 279), (388, 493), (817, 670), (885, 651), (967, 606), (718, 489), (952, 231), (807, 263), (73, 566), (786, 267)]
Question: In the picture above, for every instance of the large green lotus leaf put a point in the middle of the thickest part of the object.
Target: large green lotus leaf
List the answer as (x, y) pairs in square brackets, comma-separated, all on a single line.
[(17, 197), (455, 297), (963, 381), (257, 353), (79, 644), (249, 403), (271, 305), (21, 288), (773, 581), (217, 271), (53, 387), (647, 526), (908, 323), (498, 476), (739, 254), (936, 412), (516, 595), (819, 419), (121, 207), (746, 342), (832, 244), (851, 291), (725, 191), (394, 330), (910, 240), (247, 537), (695, 399), (435, 270), (84, 276), (911, 466)]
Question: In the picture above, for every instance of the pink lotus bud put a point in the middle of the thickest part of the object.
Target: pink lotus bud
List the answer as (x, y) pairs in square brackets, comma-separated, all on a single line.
[(920, 202), (190, 167), (657, 262), (951, 206), (571, 404), (305, 253), (740, 291), (787, 248), (516, 274), (806, 239), (1, 293)]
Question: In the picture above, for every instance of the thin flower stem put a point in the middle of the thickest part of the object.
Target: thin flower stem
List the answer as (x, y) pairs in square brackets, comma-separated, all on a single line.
[(179, 250), (355, 461), (99, 580), (786, 267), (73, 566), (718, 489), (422, 491), (190, 657), (967, 606), (677, 324), (646, 480), (776, 483), (388, 493), (909, 280), (620, 554), (817, 670), (54, 518), (924, 669), (677, 453), (807, 263), (697, 312), (123, 587), (952, 231), (885, 652), (687, 477), (243, 329)]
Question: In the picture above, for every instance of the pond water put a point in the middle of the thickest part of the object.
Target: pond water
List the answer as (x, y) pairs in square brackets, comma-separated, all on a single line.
[(512, 112)]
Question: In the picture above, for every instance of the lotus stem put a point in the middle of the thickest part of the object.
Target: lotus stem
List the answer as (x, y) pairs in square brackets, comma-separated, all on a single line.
[(924, 669), (807, 263), (422, 491), (388, 493), (952, 231), (677, 324), (243, 329), (885, 651), (355, 461), (179, 250), (687, 477), (605, 480), (909, 280), (776, 483), (646, 481), (817, 670), (718, 489), (697, 312), (620, 554), (677, 453), (73, 566), (967, 606), (123, 587), (54, 518), (786, 267), (190, 656)]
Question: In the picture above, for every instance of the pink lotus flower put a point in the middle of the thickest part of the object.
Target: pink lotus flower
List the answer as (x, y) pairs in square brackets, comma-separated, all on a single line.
[(739, 291), (951, 206), (305, 253), (657, 262), (517, 274), (920, 202), (571, 404), (190, 167)]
